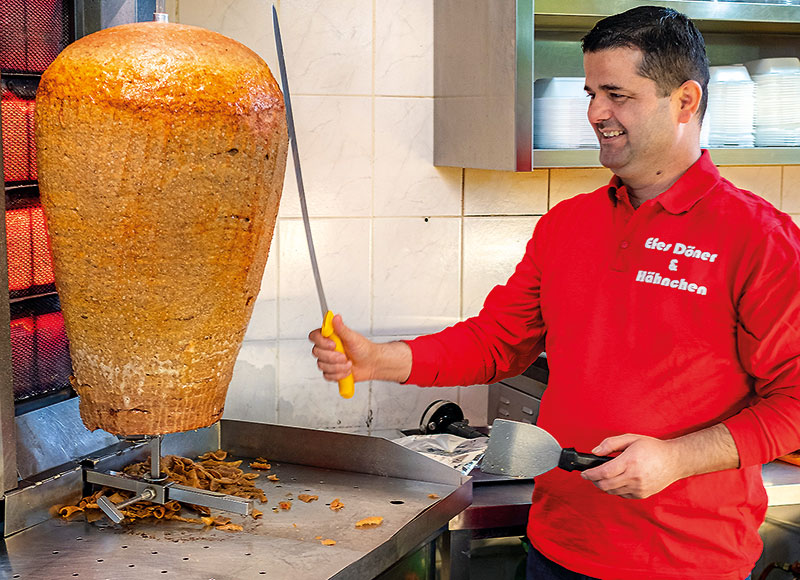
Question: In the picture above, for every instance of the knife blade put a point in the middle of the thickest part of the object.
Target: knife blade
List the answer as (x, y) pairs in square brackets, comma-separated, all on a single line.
[(346, 385)]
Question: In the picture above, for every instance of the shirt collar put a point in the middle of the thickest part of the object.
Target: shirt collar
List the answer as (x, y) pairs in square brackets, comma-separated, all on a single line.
[(690, 188)]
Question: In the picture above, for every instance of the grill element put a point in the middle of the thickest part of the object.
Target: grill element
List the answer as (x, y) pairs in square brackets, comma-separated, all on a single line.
[(17, 107), (32, 33)]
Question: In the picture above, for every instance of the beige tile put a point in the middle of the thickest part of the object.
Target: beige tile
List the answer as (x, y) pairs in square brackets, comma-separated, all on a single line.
[(328, 46), (493, 246), (404, 48), (406, 181), (763, 181), (796, 218), (505, 192), (566, 183), (791, 189), (334, 139), (252, 394), (416, 274)]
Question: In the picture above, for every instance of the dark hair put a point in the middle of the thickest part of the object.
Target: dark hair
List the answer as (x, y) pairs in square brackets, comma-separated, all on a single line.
[(673, 50)]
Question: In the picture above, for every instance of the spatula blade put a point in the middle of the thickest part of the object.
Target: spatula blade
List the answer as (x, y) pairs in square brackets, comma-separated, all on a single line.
[(520, 450)]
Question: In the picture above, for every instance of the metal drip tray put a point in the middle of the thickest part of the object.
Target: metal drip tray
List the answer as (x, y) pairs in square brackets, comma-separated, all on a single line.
[(415, 495)]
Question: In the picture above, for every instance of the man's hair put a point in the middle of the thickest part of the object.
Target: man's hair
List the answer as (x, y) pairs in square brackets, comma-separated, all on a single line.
[(673, 50)]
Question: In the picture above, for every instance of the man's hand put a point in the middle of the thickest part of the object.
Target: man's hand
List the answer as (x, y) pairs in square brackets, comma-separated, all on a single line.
[(367, 360), (647, 465)]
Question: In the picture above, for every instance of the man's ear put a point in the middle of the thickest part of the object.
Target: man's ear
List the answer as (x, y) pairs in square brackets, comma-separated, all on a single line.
[(688, 95)]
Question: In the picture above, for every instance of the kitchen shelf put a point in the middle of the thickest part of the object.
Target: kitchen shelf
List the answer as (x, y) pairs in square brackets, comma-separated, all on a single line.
[(545, 158), (487, 53)]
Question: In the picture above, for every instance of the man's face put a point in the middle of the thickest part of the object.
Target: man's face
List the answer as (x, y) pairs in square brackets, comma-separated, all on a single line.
[(636, 128)]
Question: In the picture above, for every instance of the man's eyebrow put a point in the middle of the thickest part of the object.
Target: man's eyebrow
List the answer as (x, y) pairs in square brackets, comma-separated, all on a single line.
[(605, 88)]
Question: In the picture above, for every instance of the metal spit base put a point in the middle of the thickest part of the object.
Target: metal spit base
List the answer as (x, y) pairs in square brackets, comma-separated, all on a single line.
[(370, 476)]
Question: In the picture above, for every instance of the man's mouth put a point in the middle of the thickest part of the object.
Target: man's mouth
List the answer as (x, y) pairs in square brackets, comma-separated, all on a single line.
[(610, 134)]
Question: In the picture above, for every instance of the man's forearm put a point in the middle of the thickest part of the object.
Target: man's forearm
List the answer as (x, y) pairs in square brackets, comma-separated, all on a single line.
[(393, 362), (707, 450)]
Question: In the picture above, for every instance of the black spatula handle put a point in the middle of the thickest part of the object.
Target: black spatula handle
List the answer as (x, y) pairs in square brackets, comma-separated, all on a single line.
[(572, 460)]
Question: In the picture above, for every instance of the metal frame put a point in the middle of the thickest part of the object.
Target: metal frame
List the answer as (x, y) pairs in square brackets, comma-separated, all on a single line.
[(8, 437)]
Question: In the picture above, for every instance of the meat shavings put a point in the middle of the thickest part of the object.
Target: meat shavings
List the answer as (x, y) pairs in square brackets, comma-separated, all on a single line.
[(307, 498), (260, 465), (336, 505), (328, 542), (211, 472), (285, 505), (370, 522)]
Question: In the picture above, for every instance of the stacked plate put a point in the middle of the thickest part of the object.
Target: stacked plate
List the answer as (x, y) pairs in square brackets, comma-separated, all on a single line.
[(777, 90), (559, 114), (728, 120)]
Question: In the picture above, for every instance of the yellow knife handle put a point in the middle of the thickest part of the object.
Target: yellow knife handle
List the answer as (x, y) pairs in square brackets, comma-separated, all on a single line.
[(346, 385)]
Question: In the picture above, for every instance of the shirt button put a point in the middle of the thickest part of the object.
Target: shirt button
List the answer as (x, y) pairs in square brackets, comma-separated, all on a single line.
[(624, 245)]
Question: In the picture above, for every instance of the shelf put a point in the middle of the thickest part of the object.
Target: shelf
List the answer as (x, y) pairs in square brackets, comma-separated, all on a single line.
[(727, 17), (545, 158)]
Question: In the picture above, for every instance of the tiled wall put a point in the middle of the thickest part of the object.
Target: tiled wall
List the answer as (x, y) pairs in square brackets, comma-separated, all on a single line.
[(404, 247)]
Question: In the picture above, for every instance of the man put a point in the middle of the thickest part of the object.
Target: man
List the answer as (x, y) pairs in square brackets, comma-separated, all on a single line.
[(668, 303)]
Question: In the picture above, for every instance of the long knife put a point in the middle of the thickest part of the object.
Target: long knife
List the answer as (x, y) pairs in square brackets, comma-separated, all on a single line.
[(346, 385)]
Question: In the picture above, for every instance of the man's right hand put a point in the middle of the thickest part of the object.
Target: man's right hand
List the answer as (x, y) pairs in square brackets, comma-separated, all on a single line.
[(367, 360)]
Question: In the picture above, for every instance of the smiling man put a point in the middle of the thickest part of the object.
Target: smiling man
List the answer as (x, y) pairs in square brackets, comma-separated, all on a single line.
[(669, 305)]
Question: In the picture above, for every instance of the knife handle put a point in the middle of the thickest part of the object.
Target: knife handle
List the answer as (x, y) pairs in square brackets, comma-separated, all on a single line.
[(572, 460), (346, 385)]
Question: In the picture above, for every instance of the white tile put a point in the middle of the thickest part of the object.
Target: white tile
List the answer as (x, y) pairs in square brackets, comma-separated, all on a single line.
[(328, 46), (342, 248), (415, 274), (404, 48), (305, 399), (493, 246), (474, 401), (397, 406), (505, 192), (406, 181), (246, 21), (334, 138), (252, 395), (264, 320)]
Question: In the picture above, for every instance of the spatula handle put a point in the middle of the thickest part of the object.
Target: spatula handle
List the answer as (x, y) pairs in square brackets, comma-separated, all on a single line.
[(572, 460)]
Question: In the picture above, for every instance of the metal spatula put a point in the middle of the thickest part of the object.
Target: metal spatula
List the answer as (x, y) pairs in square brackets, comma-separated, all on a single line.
[(524, 450)]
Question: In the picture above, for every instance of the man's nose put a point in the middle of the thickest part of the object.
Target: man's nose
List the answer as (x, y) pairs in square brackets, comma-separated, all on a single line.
[(598, 110)]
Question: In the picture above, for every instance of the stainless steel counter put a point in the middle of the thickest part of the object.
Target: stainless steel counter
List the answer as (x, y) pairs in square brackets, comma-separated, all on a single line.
[(782, 481), (415, 495)]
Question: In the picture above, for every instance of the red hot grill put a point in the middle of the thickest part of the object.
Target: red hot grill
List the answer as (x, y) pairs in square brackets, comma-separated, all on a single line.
[(17, 105), (30, 267), (32, 33), (39, 350)]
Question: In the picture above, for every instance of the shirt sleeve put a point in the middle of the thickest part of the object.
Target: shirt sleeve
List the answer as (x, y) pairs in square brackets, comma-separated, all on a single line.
[(768, 337), (501, 341)]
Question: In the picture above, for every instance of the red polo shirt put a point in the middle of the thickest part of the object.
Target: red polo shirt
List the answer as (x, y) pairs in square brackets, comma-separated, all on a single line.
[(658, 321)]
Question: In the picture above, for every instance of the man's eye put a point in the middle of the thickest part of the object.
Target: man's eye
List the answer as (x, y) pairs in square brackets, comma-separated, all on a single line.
[(617, 96)]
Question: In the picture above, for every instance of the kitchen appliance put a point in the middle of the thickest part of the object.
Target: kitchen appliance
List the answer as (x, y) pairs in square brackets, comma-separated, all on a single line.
[(446, 417), (524, 450), (517, 398)]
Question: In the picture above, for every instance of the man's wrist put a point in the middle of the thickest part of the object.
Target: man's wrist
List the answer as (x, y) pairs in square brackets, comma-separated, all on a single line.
[(393, 362)]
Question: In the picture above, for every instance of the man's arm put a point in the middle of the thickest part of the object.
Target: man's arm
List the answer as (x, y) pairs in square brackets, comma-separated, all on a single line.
[(647, 465)]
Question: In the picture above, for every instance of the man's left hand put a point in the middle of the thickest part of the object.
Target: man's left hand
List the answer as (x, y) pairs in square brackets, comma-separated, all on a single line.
[(645, 466)]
